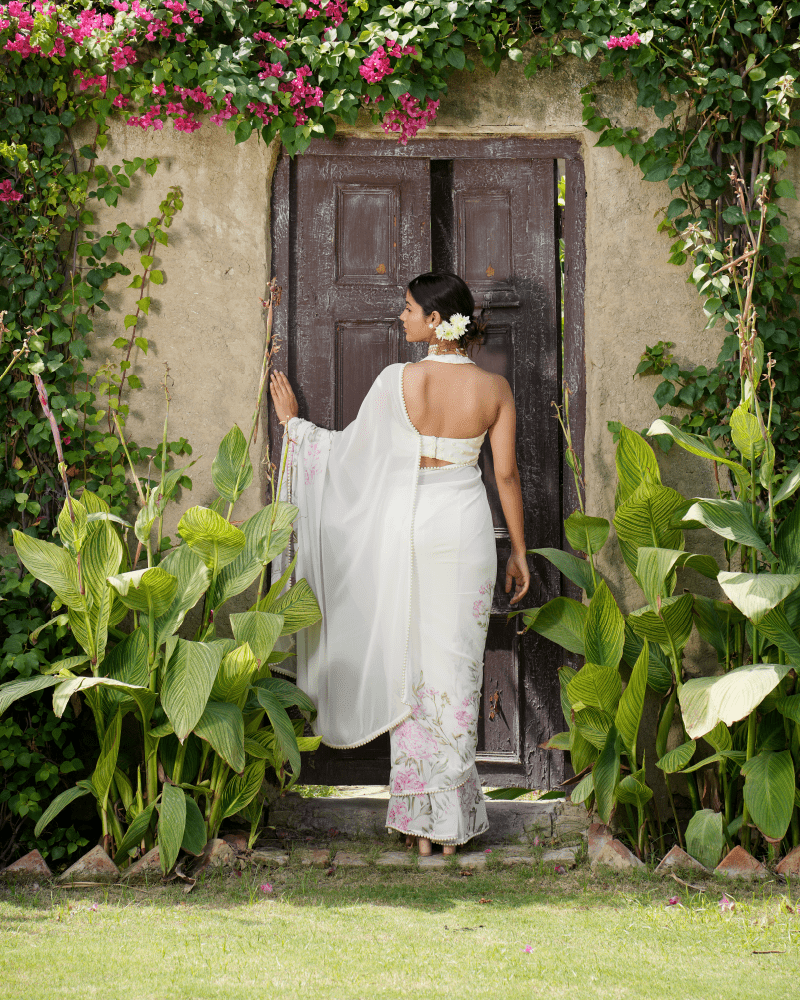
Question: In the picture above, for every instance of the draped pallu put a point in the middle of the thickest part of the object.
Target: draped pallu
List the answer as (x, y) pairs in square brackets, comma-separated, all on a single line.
[(402, 562)]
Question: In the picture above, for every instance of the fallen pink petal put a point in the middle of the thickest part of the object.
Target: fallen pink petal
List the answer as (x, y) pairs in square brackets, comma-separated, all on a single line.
[(488, 850), (560, 870), (536, 841), (528, 949), (727, 905), (672, 901), (266, 887)]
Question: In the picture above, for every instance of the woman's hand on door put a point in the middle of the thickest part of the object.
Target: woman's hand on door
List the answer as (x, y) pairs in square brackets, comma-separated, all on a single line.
[(283, 399), (518, 571)]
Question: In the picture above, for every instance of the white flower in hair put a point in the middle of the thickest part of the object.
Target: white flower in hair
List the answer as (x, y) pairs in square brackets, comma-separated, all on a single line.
[(454, 328)]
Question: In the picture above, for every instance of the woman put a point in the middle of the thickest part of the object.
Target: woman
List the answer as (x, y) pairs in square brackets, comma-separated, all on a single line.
[(396, 540)]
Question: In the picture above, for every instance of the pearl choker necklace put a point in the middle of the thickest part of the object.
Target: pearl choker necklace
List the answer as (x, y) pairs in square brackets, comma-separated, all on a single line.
[(441, 349)]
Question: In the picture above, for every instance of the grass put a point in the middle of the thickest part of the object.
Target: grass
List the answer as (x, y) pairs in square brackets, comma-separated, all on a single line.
[(367, 933)]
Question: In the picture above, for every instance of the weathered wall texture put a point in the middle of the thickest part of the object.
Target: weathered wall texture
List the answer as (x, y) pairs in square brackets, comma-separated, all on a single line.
[(207, 323)]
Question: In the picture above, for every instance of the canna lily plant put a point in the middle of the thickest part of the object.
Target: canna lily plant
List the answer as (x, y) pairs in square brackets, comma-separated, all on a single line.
[(748, 713), (211, 716)]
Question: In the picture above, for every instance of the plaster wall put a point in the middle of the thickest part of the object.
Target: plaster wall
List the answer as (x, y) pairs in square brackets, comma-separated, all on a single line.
[(206, 322)]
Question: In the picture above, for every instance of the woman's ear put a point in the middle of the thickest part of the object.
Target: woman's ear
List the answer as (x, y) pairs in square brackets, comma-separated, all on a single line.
[(434, 319)]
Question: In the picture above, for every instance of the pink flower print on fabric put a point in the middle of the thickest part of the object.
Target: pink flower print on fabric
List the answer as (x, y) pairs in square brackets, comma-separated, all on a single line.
[(407, 782), (413, 739), (483, 604), (398, 816), (312, 457), (464, 718)]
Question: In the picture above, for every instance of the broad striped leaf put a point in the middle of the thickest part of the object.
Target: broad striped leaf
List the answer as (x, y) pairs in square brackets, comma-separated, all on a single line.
[(603, 636), (299, 608), (606, 775), (14, 690), (289, 695), (107, 761), (260, 548), (593, 725), (677, 759), (171, 824), (73, 534), (705, 838), (126, 662), (584, 533), (212, 538), (715, 621), (746, 432), (789, 705), (675, 621), (560, 741), (719, 737), (61, 802), (735, 756), (707, 701), (769, 791), (282, 725), (788, 487), (631, 704), (242, 789), (236, 672), (787, 541), (222, 725), (754, 594), (633, 791), (101, 556), (729, 519), (139, 826), (596, 686), (636, 463), (582, 753), (53, 565), (577, 570), (561, 621), (581, 792), (695, 445), (192, 578), (148, 590), (232, 470), (187, 680), (67, 688), (194, 832), (775, 626), (277, 587), (68, 663), (259, 629), (645, 519)]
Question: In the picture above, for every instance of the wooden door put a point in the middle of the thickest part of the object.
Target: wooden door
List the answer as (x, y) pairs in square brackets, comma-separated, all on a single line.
[(354, 222)]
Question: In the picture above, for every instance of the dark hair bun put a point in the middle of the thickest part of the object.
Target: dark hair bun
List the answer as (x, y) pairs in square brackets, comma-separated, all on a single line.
[(447, 294)]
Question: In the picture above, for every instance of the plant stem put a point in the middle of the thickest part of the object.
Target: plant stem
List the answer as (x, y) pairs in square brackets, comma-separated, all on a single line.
[(751, 749)]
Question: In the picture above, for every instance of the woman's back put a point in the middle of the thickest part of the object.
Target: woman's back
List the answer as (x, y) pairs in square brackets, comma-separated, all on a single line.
[(451, 400)]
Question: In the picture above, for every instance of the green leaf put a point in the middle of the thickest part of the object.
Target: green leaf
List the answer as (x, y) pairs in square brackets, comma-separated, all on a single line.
[(560, 741), (171, 824), (53, 565), (107, 761), (127, 662), (775, 626), (211, 537), (646, 520), (298, 606), (586, 534), (707, 701), (259, 629), (236, 672), (242, 789), (631, 704), (134, 834), (754, 594), (577, 570), (59, 803), (507, 794), (14, 690), (282, 724), (289, 695), (187, 679), (593, 725), (606, 775), (673, 625), (788, 487), (746, 432), (194, 832), (636, 463), (705, 837), (261, 548), (595, 686), (677, 759), (67, 688), (581, 792), (192, 579), (604, 629), (769, 791), (561, 621), (715, 622), (232, 470), (222, 725), (695, 445), (654, 570), (73, 534), (148, 590), (789, 705)]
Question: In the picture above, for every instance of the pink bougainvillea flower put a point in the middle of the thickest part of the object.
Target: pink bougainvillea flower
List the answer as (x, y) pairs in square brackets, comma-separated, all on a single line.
[(488, 850), (726, 905), (672, 901), (7, 192), (560, 870), (536, 841), (528, 949), (266, 887), (626, 42)]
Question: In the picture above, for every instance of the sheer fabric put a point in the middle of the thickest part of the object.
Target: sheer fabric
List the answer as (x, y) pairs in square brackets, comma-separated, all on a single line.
[(402, 561)]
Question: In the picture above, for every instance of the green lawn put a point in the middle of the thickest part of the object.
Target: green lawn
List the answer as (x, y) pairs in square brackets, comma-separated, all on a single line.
[(367, 933)]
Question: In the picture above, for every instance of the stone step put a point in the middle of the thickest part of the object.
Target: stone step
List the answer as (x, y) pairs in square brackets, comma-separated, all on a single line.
[(509, 822)]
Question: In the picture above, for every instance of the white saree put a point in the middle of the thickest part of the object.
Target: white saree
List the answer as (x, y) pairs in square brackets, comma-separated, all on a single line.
[(402, 561)]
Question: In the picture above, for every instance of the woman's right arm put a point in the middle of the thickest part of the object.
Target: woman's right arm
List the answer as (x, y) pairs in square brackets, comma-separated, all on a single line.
[(502, 438)]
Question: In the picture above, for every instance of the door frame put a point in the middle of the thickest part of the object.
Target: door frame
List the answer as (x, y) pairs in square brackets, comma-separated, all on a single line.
[(573, 232)]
